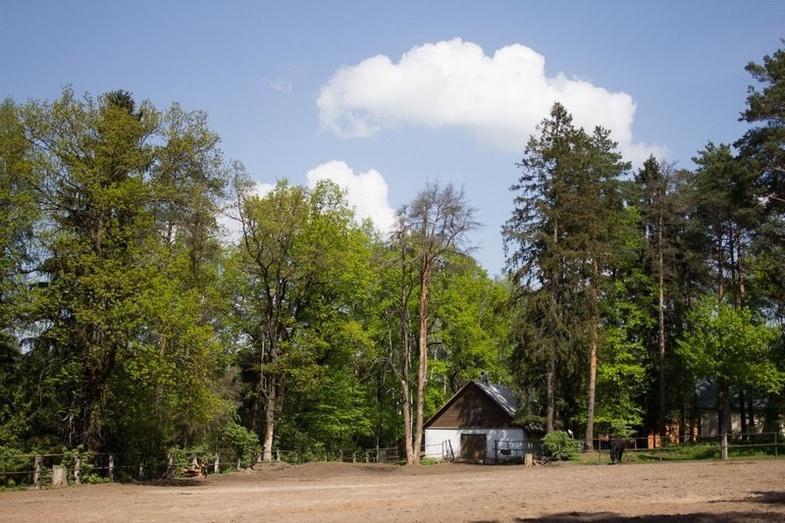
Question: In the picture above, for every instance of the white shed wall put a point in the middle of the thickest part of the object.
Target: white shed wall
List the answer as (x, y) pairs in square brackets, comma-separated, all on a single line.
[(435, 441)]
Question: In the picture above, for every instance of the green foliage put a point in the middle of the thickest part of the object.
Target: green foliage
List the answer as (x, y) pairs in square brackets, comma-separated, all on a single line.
[(122, 345), (622, 367), (561, 241), (469, 332), (559, 445), (183, 457), (242, 441), (144, 332), (763, 143), (732, 344), (14, 463)]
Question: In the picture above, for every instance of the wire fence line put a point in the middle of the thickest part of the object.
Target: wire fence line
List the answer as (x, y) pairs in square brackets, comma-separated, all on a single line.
[(651, 447), (38, 469)]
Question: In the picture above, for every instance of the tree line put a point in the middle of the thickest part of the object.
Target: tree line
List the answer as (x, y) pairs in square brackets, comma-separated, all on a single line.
[(637, 289), (151, 297)]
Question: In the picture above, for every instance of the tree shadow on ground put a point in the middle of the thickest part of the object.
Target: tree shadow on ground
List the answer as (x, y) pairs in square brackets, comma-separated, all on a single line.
[(173, 482), (770, 498), (700, 517)]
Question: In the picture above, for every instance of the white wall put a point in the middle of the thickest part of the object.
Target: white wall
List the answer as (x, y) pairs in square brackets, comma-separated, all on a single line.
[(435, 438)]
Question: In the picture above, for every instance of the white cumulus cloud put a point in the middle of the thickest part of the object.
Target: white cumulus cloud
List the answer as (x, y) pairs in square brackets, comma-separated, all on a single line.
[(366, 192), (499, 99)]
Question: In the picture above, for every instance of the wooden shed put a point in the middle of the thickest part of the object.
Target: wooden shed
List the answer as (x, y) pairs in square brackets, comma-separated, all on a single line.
[(478, 425)]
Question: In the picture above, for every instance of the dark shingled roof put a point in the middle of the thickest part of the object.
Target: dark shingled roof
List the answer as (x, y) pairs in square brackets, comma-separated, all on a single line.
[(501, 395)]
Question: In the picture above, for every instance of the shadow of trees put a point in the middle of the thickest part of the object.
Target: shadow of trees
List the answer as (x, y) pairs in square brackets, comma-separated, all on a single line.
[(761, 515), (699, 517)]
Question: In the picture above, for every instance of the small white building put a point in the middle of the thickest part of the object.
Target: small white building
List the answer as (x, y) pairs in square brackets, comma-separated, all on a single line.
[(478, 425)]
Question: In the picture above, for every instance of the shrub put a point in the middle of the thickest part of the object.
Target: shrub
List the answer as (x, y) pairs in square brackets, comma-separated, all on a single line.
[(15, 466), (559, 445), (242, 441)]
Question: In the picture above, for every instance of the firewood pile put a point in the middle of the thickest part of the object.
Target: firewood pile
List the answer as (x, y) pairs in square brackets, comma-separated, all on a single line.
[(198, 469), (530, 461)]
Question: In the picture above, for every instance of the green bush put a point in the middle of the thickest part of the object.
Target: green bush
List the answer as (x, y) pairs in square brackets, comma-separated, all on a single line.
[(182, 458), (15, 465), (559, 445), (88, 472), (242, 441)]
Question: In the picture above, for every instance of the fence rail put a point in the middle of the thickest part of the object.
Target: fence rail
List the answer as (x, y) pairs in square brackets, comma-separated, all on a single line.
[(17, 469), (653, 447)]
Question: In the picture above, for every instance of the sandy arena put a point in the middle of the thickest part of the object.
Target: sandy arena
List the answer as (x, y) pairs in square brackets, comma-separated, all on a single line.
[(702, 492)]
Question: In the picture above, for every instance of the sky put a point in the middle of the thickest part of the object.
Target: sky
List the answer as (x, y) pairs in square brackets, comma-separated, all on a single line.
[(384, 97)]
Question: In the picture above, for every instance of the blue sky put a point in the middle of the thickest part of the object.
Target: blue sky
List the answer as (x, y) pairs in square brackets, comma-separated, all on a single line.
[(383, 96)]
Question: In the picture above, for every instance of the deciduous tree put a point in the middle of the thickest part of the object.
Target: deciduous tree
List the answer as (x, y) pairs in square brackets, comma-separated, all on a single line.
[(733, 346), (435, 223)]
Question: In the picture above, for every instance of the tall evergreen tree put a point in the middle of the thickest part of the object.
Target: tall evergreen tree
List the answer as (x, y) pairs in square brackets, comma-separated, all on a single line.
[(94, 158), (762, 151), (656, 198), (725, 210), (560, 237), (124, 351)]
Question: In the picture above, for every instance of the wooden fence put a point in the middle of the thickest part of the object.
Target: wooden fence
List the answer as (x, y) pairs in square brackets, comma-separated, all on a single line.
[(38, 470), (698, 447)]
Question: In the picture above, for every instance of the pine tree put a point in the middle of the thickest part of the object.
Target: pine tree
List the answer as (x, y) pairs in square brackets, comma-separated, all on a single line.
[(560, 239)]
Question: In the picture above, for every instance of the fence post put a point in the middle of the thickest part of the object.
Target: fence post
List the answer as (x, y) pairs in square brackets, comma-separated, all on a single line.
[(111, 467), (239, 463), (169, 465), (141, 469), (775, 445), (37, 472), (78, 469), (216, 464), (278, 455)]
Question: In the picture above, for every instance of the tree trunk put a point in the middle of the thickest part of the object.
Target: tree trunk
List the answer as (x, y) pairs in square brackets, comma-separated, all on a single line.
[(405, 375), (100, 365), (592, 361), (422, 371), (261, 392), (269, 419), (742, 412), (740, 268), (661, 320), (271, 387), (408, 439), (720, 265), (725, 424), (411, 454), (550, 394)]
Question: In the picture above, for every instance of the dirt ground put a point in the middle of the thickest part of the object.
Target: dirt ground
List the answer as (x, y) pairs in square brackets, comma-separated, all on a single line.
[(743, 491)]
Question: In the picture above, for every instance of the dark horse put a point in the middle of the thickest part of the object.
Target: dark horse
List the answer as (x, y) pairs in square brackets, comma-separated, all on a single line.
[(617, 449)]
